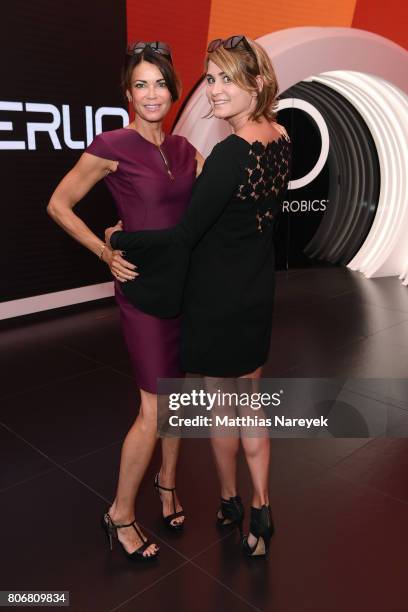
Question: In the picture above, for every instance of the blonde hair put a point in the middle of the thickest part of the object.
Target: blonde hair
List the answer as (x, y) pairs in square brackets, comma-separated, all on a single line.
[(243, 67)]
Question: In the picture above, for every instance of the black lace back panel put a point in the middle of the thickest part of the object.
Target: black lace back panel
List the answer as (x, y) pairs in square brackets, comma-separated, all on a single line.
[(267, 175)]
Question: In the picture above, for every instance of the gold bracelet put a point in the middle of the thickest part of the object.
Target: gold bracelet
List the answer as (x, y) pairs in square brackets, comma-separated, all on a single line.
[(101, 253)]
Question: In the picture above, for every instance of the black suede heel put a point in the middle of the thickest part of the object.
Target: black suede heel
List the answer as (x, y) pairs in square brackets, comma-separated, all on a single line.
[(261, 526), (232, 512)]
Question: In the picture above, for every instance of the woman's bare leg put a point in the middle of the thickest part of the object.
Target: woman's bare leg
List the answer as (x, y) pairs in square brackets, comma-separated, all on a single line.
[(136, 454), (167, 477), (225, 450), (257, 453), (225, 454)]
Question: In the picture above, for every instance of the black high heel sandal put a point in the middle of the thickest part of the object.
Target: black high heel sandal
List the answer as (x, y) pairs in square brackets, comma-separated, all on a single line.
[(111, 530), (232, 512), (261, 526), (170, 517)]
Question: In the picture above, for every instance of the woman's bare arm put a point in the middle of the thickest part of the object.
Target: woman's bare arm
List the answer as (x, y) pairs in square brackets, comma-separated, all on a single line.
[(73, 187)]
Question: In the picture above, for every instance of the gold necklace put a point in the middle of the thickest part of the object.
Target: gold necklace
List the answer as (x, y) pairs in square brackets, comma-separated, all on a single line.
[(166, 163), (169, 172)]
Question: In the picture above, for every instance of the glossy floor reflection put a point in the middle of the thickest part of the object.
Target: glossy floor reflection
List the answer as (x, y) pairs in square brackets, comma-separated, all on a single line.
[(67, 398)]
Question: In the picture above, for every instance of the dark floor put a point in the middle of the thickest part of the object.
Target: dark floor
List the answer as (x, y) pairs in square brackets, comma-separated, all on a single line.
[(340, 505)]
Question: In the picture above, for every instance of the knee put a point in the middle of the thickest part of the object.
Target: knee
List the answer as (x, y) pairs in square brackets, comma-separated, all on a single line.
[(147, 415), (227, 445), (147, 418), (148, 406)]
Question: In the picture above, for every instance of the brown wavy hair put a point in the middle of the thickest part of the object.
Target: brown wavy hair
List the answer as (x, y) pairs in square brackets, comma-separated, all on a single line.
[(243, 66)]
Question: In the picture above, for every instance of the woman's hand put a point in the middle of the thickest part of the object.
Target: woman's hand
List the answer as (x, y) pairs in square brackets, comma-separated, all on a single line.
[(121, 269), (110, 230)]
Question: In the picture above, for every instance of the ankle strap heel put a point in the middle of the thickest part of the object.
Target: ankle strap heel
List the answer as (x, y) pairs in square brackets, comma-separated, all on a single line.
[(170, 517), (111, 530), (232, 511)]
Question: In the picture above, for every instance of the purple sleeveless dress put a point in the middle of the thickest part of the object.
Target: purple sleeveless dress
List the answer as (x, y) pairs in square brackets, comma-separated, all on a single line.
[(148, 198)]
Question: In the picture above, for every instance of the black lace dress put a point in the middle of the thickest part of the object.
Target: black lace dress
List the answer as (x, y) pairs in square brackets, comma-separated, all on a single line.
[(217, 265)]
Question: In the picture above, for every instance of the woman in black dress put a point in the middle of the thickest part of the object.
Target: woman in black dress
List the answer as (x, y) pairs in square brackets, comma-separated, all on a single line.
[(217, 265)]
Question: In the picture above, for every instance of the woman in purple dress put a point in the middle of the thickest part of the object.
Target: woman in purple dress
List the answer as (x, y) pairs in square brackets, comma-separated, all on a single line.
[(150, 176)]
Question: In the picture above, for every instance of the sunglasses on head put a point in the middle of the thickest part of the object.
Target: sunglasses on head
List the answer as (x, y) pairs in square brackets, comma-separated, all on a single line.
[(229, 43), (157, 46)]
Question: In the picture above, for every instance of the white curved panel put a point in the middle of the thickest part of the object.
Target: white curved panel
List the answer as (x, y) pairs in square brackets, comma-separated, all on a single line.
[(384, 109), (324, 135)]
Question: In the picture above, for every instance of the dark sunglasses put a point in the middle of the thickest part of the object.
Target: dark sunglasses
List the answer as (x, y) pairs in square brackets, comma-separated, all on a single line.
[(157, 46), (229, 43)]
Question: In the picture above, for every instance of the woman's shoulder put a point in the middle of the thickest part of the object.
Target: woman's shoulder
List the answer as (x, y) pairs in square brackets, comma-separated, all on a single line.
[(108, 144), (230, 150), (226, 154), (181, 142), (113, 137), (228, 145)]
